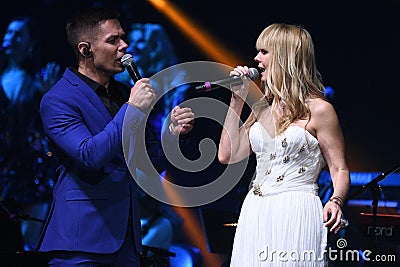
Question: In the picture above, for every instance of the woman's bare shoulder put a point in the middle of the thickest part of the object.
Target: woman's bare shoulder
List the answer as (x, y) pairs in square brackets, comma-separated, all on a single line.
[(320, 106)]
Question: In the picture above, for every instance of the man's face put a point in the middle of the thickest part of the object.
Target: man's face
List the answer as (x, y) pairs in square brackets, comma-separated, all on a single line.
[(109, 47)]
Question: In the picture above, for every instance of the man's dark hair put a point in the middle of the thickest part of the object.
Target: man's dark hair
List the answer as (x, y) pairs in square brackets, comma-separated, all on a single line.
[(85, 23)]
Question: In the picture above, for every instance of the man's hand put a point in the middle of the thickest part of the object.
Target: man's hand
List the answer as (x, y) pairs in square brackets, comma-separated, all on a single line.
[(142, 94), (182, 120)]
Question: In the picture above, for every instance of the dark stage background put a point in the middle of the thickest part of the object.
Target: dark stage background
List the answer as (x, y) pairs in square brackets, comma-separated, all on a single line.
[(357, 49), (356, 42)]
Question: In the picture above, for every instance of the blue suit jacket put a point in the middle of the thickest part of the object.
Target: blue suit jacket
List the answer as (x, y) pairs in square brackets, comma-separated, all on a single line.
[(95, 193)]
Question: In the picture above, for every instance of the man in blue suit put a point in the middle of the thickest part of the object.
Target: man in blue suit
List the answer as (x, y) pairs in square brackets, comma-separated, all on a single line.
[(94, 217)]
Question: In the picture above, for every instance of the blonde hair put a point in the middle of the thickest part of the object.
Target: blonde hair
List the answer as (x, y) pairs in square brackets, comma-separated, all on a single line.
[(292, 76)]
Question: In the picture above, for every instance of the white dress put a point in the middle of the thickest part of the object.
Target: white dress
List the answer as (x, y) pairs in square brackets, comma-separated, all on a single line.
[(281, 222)]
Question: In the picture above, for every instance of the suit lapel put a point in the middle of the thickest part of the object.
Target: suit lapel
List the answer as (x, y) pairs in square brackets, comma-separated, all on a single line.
[(90, 94)]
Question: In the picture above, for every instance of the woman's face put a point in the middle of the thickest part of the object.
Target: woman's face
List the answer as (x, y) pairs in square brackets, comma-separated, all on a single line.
[(16, 40), (263, 58)]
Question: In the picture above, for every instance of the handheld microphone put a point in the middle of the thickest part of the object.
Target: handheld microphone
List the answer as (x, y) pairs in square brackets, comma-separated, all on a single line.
[(127, 62), (227, 81)]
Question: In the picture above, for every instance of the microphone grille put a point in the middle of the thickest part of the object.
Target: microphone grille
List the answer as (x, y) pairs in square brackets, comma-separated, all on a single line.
[(253, 73), (127, 60)]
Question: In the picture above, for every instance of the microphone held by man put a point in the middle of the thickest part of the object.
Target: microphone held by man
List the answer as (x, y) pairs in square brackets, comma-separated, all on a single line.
[(128, 62)]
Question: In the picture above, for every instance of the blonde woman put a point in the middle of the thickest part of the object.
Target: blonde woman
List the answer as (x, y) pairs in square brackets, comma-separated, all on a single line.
[(294, 133)]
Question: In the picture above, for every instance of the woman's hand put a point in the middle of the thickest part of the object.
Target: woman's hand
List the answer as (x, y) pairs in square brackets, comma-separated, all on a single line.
[(241, 90), (333, 216)]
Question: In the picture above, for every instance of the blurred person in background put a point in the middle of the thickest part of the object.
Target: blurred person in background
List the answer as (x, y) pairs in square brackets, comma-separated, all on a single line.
[(26, 165)]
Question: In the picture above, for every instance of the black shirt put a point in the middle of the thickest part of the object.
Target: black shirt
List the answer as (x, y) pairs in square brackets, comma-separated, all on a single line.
[(112, 98)]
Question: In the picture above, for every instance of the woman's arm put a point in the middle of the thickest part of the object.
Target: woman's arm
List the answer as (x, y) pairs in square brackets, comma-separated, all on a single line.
[(234, 144), (331, 141)]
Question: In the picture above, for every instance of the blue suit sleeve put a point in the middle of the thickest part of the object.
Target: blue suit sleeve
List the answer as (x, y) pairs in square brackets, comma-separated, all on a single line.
[(70, 126)]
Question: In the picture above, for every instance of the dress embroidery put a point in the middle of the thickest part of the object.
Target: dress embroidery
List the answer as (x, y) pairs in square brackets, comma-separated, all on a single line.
[(286, 159)]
